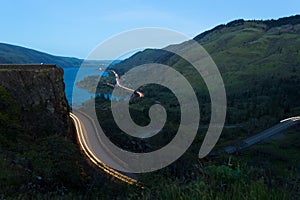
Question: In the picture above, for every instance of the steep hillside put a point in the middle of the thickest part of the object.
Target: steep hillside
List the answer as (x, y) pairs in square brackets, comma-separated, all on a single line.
[(259, 62), (260, 65), (10, 54)]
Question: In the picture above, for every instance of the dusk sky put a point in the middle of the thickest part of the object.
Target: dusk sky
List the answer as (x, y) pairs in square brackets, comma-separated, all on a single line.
[(74, 28)]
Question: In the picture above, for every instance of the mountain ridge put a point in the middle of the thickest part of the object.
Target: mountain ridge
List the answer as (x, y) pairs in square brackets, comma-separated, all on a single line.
[(13, 54), (258, 60), (270, 23)]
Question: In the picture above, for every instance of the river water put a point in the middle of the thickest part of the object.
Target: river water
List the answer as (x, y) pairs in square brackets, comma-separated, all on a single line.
[(69, 79)]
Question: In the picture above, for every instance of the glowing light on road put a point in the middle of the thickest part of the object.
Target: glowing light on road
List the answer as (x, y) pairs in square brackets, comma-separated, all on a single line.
[(120, 85), (93, 157), (125, 88), (297, 118), (140, 94)]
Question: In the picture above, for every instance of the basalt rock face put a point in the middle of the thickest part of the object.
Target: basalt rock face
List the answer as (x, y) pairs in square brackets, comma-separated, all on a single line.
[(38, 91)]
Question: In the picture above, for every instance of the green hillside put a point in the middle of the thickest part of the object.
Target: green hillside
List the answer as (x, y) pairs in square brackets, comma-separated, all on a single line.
[(260, 65), (259, 62), (10, 54)]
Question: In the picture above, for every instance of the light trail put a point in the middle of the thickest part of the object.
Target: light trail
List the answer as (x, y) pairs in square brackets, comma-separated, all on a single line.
[(140, 94), (92, 157), (125, 88), (119, 84), (291, 119)]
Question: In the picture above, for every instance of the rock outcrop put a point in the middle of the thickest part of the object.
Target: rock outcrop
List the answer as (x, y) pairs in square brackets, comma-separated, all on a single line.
[(39, 92)]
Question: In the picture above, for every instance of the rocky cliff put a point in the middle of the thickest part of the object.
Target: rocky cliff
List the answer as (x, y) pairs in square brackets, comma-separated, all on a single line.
[(38, 91)]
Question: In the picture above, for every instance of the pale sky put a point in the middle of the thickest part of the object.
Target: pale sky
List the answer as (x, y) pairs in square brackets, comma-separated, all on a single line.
[(74, 28)]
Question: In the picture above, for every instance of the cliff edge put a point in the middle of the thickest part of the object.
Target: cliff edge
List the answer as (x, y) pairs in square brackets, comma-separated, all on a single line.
[(38, 92)]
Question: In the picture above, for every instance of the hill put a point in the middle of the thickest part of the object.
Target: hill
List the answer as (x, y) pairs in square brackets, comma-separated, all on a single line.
[(259, 62), (260, 65), (11, 54)]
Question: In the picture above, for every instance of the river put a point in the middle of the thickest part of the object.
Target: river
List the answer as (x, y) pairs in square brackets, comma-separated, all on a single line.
[(69, 79)]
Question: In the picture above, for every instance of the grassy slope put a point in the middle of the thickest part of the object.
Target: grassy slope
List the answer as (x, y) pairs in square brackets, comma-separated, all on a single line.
[(259, 62)]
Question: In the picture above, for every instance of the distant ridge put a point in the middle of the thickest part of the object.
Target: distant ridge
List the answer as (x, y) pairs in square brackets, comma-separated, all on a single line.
[(11, 54), (27, 66)]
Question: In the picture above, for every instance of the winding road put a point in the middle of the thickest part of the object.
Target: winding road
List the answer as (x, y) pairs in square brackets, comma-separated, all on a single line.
[(118, 81), (92, 147)]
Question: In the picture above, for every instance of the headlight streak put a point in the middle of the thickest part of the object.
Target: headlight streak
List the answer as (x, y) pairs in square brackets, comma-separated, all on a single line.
[(291, 119), (92, 157)]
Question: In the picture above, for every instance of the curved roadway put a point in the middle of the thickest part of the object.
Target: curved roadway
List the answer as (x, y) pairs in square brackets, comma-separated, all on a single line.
[(118, 81), (91, 145)]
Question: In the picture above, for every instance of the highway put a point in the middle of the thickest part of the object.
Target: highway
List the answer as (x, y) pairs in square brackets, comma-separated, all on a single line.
[(274, 130), (122, 86), (93, 148), (91, 145)]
